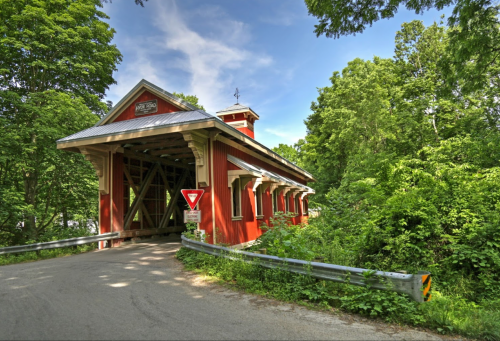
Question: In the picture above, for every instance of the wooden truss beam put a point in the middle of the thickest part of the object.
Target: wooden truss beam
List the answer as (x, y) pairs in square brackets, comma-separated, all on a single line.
[(159, 138), (139, 198), (155, 145), (171, 151), (154, 159), (173, 200), (179, 156), (165, 181), (136, 192)]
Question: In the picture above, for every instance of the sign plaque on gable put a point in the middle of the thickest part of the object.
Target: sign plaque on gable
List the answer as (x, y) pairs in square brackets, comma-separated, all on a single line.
[(147, 107), (192, 196)]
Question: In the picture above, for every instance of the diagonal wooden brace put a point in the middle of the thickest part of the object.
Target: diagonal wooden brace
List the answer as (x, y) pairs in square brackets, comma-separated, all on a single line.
[(173, 200), (139, 198), (136, 192)]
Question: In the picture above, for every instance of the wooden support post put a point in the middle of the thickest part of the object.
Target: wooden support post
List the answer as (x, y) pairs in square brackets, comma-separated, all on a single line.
[(138, 199), (173, 200), (198, 142)]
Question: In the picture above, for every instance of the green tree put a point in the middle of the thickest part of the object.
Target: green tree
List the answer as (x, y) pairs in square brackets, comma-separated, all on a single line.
[(56, 62), (474, 43), (288, 152), (408, 164), (191, 99)]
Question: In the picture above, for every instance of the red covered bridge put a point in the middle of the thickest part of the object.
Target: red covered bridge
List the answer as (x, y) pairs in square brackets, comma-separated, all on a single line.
[(153, 144)]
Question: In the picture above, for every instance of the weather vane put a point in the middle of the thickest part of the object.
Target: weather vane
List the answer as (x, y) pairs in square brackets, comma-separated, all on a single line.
[(237, 95)]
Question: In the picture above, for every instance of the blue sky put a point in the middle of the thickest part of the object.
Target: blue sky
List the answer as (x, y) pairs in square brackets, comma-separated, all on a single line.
[(265, 48)]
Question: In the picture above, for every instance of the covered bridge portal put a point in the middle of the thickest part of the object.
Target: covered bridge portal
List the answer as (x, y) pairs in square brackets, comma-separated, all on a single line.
[(152, 144)]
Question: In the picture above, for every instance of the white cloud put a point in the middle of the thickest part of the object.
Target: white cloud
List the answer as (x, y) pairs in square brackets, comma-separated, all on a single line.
[(210, 61), (141, 68), (286, 134)]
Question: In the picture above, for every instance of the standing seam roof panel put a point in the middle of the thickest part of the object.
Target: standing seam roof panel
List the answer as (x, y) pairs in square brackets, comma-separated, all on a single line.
[(142, 123)]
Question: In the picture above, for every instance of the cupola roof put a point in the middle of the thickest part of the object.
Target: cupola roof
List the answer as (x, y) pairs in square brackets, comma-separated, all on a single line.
[(236, 109)]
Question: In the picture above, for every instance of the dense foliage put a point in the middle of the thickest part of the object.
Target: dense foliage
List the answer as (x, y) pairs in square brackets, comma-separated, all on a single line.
[(475, 33), (191, 99), (409, 166), (408, 169), (56, 62)]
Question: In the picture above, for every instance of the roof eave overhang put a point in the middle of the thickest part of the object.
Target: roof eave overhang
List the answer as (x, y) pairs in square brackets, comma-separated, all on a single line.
[(239, 111), (255, 145), (176, 128), (138, 133)]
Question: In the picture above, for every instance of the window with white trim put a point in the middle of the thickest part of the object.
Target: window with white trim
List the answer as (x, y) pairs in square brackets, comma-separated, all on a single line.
[(305, 207), (287, 202), (297, 203), (258, 202), (275, 201), (236, 199)]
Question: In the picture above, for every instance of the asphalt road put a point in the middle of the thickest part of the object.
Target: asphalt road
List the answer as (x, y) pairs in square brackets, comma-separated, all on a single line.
[(140, 291)]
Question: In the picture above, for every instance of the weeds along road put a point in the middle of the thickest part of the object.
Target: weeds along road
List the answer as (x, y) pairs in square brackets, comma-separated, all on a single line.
[(140, 291)]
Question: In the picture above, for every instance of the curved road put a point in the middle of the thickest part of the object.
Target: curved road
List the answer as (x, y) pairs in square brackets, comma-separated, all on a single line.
[(139, 291)]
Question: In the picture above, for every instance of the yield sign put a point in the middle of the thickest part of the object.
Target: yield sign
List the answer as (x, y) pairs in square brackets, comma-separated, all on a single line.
[(192, 196)]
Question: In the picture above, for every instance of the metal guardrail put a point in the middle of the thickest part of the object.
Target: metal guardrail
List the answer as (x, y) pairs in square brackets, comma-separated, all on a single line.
[(412, 285), (59, 243)]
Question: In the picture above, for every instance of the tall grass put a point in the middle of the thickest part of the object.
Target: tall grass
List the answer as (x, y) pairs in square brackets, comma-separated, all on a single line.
[(444, 314)]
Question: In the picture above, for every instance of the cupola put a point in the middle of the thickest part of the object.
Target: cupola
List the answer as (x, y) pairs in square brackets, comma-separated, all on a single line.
[(239, 117)]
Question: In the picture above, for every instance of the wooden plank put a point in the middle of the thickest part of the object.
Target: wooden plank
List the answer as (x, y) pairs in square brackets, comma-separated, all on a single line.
[(173, 200), (165, 181), (155, 138), (178, 156), (150, 158), (170, 151), (138, 199), (150, 232), (134, 188), (166, 143)]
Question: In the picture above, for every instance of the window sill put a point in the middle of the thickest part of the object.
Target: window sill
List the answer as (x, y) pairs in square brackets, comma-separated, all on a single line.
[(237, 218), (259, 217)]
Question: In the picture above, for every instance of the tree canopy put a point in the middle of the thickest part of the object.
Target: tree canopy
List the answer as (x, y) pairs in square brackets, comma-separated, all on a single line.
[(56, 62), (409, 163), (191, 99), (475, 33)]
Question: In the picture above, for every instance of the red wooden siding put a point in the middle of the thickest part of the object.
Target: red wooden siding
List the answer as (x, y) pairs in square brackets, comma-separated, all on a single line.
[(240, 117), (247, 229), (105, 211), (117, 192), (163, 107), (117, 197), (205, 206), (237, 117), (247, 131)]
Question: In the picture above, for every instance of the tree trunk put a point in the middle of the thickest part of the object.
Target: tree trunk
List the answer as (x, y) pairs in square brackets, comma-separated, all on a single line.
[(65, 217), (30, 228)]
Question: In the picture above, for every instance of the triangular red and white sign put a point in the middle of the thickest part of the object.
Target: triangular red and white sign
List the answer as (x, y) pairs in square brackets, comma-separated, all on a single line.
[(192, 196)]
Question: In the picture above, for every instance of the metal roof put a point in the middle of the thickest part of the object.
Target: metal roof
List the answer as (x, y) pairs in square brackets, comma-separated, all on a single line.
[(144, 82), (162, 120), (236, 107), (138, 124), (274, 176)]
